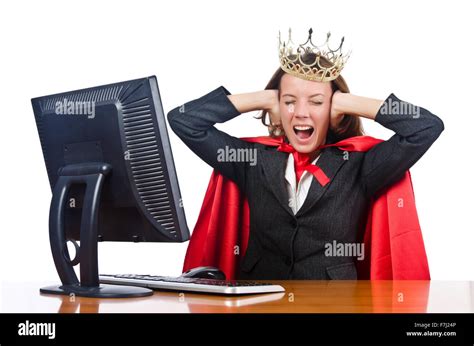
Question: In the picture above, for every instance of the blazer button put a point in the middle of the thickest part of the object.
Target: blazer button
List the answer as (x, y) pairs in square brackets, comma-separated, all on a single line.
[(287, 260), (294, 223)]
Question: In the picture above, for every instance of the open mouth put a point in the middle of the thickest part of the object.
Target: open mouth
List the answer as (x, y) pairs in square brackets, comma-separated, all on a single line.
[(303, 132)]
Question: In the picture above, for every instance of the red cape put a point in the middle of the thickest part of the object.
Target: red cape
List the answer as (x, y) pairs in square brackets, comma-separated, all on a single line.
[(394, 248)]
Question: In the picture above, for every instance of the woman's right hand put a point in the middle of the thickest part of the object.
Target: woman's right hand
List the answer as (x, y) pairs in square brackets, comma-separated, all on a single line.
[(266, 100), (263, 100), (273, 108)]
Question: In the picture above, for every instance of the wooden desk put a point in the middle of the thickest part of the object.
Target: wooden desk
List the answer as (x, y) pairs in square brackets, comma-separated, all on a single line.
[(300, 297)]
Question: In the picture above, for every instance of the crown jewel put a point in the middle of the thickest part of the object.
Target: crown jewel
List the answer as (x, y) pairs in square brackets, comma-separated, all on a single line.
[(312, 62)]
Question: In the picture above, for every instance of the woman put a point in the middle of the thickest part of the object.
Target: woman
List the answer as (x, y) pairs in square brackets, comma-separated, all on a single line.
[(293, 217)]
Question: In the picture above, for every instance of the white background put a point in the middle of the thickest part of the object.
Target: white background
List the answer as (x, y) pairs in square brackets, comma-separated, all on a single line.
[(421, 51)]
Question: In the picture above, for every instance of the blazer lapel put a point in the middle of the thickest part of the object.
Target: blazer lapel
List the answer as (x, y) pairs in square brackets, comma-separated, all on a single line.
[(273, 164), (330, 161)]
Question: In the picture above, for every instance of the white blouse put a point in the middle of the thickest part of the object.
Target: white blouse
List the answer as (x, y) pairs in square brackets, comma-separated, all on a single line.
[(297, 193)]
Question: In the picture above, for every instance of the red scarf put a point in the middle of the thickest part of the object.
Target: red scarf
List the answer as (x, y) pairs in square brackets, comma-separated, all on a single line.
[(393, 240)]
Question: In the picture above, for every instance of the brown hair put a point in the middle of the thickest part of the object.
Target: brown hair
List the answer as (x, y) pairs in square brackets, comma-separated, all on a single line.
[(349, 126)]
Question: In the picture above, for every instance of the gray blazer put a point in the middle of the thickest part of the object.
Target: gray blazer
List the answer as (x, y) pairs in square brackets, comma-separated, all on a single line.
[(283, 245)]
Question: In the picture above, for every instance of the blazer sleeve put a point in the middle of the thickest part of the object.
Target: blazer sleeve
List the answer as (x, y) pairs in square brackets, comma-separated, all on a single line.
[(194, 123), (415, 129)]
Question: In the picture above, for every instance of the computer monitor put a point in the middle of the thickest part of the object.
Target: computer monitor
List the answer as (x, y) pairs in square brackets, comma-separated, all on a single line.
[(111, 171)]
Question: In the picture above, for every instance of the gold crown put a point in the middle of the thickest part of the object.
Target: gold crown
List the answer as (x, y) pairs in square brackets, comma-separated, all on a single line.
[(311, 62)]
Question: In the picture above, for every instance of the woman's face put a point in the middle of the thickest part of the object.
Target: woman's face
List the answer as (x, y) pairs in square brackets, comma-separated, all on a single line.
[(305, 108)]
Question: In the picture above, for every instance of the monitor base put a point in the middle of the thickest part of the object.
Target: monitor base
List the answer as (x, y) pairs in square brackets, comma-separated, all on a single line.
[(101, 291)]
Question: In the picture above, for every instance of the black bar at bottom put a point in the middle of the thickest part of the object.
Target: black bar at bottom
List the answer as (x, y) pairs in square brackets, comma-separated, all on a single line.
[(290, 329)]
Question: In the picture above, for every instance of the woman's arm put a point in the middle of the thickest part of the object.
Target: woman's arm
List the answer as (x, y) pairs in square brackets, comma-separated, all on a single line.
[(194, 123), (415, 129)]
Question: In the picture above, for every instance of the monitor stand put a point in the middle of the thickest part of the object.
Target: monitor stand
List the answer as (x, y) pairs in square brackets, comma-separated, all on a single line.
[(92, 175)]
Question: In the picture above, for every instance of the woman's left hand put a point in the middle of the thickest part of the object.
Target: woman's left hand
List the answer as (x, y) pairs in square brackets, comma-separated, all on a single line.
[(343, 104), (336, 112)]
